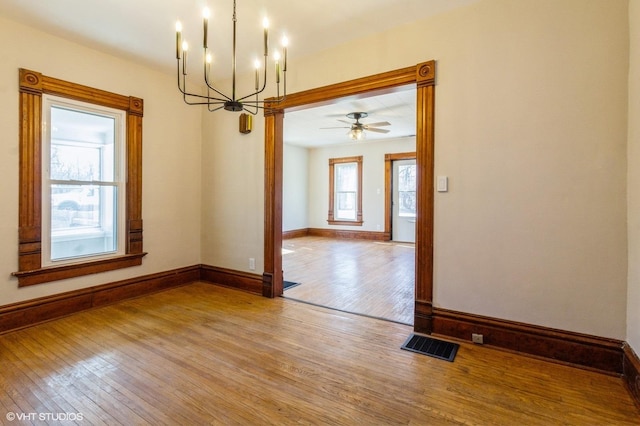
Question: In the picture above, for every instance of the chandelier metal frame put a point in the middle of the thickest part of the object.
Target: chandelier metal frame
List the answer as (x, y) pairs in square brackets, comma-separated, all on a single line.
[(215, 99)]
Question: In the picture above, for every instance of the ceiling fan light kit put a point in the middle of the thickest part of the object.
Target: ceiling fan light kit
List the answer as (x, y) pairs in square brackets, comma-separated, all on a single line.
[(357, 130), (215, 99)]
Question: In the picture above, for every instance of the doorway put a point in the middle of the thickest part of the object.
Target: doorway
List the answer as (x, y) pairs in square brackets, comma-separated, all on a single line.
[(423, 75), (403, 195)]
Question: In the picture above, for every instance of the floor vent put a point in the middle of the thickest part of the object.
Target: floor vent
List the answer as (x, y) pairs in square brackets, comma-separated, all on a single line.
[(286, 285), (432, 347)]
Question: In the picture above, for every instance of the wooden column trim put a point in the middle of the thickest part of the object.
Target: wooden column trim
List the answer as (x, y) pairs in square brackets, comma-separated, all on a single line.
[(30, 199), (272, 284), (425, 80)]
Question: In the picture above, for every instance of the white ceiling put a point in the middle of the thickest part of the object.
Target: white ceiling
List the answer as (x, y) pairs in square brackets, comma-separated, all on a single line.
[(144, 31), (306, 127)]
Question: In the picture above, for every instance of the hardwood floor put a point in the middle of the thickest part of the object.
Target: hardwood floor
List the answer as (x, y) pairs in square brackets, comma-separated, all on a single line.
[(203, 354), (358, 276)]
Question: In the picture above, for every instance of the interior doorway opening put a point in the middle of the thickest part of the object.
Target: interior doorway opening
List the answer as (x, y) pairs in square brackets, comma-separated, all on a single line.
[(423, 76), (337, 248)]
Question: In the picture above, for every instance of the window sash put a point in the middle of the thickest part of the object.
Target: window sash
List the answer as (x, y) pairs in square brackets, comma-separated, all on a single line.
[(345, 191), (91, 225)]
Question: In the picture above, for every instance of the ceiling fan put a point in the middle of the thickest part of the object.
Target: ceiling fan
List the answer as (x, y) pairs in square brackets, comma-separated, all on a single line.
[(357, 129)]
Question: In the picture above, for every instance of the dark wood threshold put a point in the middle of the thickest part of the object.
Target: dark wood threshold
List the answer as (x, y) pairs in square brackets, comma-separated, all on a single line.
[(565, 347)]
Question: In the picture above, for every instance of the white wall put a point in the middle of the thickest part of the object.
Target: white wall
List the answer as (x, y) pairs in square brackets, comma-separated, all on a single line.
[(373, 190), (171, 155), (232, 192), (295, 187), (531, 107), (532, 99), (633, 189)]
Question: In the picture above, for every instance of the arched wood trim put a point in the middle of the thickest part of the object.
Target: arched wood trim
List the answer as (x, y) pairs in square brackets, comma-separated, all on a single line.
[(423, 76)]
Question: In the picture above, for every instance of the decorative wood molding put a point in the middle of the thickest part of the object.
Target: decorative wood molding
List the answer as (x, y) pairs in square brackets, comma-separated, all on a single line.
[(48, 274), (272, 285), (231, 278), (423, 76), (425, 155), (385, 81), (32, 85), (631, 369), (564, 347), (426, 73), (25, 314), (423, 316)]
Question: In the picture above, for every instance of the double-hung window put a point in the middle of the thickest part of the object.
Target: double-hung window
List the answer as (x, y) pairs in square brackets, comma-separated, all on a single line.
[(83, 179), (345, 191), (80, 204)]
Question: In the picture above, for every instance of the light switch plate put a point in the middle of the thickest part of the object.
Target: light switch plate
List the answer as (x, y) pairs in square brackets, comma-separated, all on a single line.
[(442, 184)]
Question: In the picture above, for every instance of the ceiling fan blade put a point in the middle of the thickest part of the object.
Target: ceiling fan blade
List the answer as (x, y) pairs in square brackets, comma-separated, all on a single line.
[(341, 127), (345, 121), (373, 129), (380, 124)]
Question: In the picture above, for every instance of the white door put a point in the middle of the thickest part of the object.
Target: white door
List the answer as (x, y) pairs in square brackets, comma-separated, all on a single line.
[(403, 214)]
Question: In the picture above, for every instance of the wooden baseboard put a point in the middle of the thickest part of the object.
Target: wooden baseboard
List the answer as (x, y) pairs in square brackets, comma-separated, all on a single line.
[(631, 368), (345, 233), (580, 350), (337, 233), (604, 355), (231, 278), (25, 314), (295, 233)]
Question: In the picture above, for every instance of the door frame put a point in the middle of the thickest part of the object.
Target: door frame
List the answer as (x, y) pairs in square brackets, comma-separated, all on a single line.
[(423, 76), (388, 187)]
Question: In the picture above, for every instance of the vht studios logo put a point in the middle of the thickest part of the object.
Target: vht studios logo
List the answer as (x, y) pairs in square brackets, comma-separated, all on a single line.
[(52, 417)]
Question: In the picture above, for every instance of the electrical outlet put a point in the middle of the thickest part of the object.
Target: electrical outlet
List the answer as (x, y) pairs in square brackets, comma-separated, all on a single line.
[(252, 264), (477, 338)]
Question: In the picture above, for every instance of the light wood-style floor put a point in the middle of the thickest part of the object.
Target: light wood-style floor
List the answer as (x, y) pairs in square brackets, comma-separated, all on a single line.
[(358, 276), (203, 354)]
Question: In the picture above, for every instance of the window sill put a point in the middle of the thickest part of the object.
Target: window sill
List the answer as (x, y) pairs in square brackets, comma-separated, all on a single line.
[(346, 222), (55, 273)]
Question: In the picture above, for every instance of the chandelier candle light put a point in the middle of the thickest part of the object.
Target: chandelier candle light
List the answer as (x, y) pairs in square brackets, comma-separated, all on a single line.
[(216, 99)]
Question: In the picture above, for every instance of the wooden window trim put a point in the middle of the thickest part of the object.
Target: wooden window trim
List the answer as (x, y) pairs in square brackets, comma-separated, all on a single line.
[(32, 86), (331, 220)]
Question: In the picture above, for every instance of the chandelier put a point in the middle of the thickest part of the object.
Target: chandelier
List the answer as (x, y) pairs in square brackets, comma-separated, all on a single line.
[(215, 99)]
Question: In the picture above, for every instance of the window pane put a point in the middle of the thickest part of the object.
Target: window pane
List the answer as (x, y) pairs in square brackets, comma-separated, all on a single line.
[(346, 205), (346, 177), (407, 190), (83, 220), (82, 146), (82, 182)]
